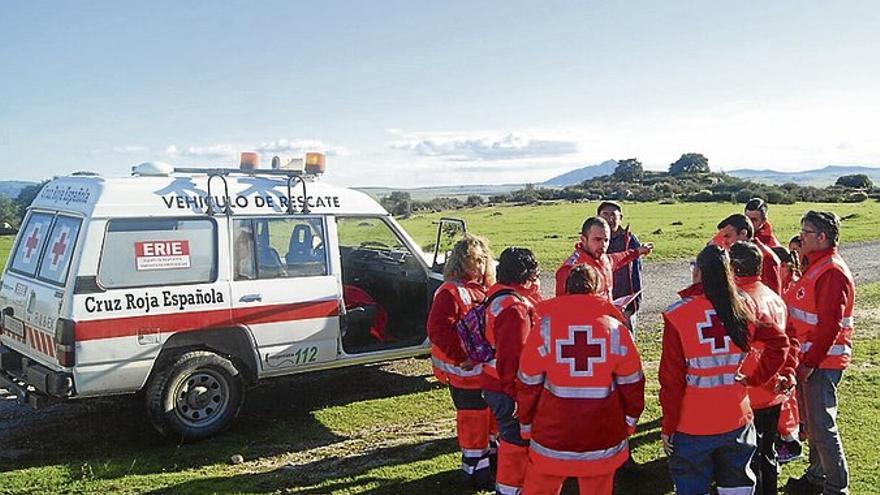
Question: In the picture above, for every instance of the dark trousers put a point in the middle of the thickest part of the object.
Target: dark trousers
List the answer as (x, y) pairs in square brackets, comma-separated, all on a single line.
[(698, 460), (828, 466), (508, 426), (764, 461)]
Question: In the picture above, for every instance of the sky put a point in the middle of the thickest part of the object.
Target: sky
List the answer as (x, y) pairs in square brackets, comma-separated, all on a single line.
[(412, 93)]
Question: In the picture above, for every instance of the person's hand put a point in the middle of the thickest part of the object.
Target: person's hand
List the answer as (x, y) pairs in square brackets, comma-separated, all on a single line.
[(804, 372), (667, 443), (645, 249), (467, 365), (785, 384)]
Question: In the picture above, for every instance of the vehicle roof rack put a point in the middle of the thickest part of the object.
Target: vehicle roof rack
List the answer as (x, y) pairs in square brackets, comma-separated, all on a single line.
[(230, 171), (293, 176)]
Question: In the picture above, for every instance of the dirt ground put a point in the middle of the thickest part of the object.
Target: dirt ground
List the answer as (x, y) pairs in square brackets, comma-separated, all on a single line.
[(22, 429)]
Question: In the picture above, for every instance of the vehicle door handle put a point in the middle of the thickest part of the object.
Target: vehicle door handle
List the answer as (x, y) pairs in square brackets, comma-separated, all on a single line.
[(251, 298)]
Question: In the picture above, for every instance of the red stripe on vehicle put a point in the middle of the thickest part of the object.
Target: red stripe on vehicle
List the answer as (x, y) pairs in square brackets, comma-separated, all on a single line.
[(200, 320), (51, 345)]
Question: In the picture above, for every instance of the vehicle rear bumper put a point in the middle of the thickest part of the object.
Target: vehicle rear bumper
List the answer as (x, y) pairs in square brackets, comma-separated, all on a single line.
[(33, 383)]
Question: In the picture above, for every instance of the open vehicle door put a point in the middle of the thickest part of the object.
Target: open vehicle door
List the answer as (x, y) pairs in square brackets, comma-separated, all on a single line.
[(449, 231)]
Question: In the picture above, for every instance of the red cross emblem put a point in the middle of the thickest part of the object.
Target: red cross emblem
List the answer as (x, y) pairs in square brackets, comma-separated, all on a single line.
[(59, 248), (31, 243), (712, 332), (580, 350)]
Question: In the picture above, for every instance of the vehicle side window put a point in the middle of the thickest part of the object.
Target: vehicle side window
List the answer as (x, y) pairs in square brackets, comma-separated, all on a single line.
[(158, 251), (373, 233), (279, 248), (30, 244), (59, 251)]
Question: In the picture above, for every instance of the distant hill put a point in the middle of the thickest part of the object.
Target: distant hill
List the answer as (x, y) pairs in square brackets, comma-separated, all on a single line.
[(11, 188), (819, 177), (581, 174)]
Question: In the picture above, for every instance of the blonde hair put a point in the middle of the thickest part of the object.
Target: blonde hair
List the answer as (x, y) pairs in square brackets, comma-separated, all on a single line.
[(464, 253)]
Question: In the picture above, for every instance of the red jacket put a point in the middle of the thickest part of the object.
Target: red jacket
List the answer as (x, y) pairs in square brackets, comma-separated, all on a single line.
[(356, 297), (820, 308), (451, 301), (765, 235), (769, 307), (580, 388), (509, 320), (605, 265), (769, 267), (697, 392)]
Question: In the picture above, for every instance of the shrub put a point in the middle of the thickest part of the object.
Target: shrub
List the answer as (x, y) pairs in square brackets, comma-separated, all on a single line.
[(856, 197)]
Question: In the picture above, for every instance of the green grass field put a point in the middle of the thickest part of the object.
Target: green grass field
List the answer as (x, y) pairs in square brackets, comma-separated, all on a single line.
[(5, 246), (551, 230)]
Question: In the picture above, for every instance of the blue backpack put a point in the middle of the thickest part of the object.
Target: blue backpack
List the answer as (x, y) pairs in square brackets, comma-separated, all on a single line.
[(471, 329)]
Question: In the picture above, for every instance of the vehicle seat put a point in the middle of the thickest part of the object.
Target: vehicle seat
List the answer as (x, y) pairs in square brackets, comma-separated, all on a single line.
[(269, 262), (299, 250)]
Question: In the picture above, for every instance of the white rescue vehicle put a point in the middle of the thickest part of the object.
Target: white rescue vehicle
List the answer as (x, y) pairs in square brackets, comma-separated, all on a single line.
[(191, 284)]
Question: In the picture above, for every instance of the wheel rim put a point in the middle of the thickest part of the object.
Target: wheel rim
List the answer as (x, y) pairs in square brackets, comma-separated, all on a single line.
[(202, 398)]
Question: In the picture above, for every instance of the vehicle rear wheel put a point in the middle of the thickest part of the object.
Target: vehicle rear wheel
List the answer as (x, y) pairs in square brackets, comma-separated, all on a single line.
[(194, 396)]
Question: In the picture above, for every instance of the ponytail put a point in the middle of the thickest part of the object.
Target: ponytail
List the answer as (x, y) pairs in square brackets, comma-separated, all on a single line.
[(714, 265)]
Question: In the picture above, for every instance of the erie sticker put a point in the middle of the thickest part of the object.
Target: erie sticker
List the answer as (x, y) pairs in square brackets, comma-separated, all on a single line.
[(161, 255)]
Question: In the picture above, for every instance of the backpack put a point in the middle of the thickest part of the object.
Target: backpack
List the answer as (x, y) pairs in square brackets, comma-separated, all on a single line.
[(471, 329)]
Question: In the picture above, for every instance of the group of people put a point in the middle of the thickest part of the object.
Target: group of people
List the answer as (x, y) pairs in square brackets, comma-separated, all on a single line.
[(752, 355)]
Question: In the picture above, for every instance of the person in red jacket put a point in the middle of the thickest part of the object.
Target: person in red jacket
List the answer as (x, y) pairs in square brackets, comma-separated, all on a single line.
[(580, 390), (789, 271), (592, 249), (469, 272), (789, 447), (820, 308), (509, 318), (756, 210), (707, 428), (738, 227), (766, 401)]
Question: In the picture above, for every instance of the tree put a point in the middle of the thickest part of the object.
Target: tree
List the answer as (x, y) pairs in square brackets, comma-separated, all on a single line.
[(527, 195), (398, 203), (9, 212), (27, 196), (690, 164), (629, 170), (474, 200), (855, 181)]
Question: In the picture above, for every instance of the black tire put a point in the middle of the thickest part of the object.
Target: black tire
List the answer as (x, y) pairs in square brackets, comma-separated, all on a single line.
[(194, 395)]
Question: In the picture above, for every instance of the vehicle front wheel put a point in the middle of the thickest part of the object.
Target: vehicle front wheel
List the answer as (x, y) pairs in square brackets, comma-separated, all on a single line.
[(195, 395)]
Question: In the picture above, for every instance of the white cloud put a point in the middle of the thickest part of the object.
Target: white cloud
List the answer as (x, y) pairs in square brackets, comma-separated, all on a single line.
[(129, 150), (267, 149), (215, 151), (299, 147), (481, 146)]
